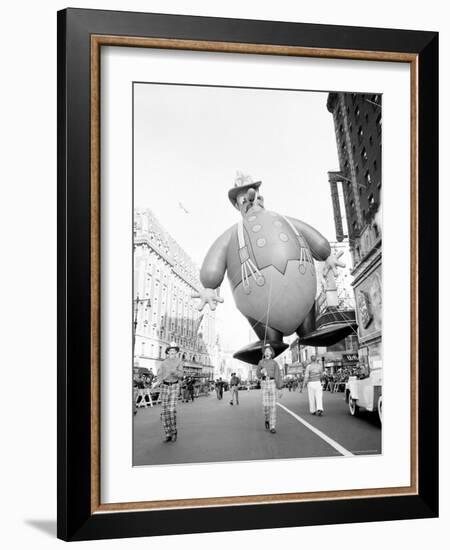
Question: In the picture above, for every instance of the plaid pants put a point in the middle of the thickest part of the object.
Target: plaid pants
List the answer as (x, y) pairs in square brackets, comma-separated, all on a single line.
[(169, 398), (269, 399)]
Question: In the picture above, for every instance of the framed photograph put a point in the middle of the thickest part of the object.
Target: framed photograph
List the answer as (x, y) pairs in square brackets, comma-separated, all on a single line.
[(247, 256)]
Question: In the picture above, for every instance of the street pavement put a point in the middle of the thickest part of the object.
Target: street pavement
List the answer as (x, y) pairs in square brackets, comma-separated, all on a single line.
[(211, 430)]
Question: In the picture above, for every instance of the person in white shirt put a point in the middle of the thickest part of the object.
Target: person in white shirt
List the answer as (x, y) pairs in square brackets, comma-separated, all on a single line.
[(313, 375)]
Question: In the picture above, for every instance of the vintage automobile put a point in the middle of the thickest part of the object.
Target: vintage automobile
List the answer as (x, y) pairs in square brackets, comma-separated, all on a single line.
[(365, 393)]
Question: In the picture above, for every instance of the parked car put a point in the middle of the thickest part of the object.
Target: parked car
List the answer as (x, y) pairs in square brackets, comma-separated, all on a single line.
[(365, 393)]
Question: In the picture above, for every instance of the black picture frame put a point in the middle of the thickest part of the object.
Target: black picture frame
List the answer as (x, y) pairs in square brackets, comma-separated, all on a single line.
[(77, 515)]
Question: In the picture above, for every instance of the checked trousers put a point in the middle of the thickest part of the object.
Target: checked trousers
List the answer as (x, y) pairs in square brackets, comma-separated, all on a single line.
[(269, 397), (169, 398)]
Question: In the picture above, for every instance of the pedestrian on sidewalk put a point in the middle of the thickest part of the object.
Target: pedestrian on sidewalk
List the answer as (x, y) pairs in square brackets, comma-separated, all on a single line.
[(190, 388), (268, 372), (219, 388), (184, 391), (170, 372), (234, 388), (312, 380)]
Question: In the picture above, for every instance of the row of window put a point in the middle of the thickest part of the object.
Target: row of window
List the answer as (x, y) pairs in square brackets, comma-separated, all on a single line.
[(168, 246), (158, 352)]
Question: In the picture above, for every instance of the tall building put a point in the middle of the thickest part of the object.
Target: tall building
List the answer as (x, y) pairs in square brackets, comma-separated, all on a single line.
[(357, 124), (356, 197), (164, 311)]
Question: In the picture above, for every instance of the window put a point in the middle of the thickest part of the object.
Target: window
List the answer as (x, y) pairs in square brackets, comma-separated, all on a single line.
[(375, 165), (368, 178), (364, 154), (357, 112)]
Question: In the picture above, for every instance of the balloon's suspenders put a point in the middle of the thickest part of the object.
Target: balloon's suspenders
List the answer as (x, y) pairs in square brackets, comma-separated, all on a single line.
[(305, 253), (248, 268)]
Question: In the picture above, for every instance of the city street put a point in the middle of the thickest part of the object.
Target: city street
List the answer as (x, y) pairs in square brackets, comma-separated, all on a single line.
[(210, 430)]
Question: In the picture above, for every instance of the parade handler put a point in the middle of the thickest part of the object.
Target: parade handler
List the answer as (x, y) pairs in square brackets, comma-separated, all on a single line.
[(170, 372), (268, 372), (313, 375), (269, 259)]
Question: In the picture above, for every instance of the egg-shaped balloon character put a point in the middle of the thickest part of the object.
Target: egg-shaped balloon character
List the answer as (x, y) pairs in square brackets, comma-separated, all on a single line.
[(269, 261)]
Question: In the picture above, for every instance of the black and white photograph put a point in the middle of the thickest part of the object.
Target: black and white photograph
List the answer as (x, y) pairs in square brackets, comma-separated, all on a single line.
[(257, 274), (223, 299)]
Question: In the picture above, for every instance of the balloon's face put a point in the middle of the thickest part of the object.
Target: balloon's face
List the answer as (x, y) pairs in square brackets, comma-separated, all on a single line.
[(249, 201)]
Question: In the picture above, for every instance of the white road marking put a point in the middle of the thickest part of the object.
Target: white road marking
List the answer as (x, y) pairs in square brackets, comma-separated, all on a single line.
[(334, 444)]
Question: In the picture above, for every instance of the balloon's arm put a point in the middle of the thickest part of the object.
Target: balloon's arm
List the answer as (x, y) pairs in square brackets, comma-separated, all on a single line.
[(214, 265), (320, 247)]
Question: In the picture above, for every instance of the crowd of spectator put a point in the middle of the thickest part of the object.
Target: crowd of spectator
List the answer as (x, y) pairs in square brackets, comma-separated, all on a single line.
[(146, 390), (331, 382), (336, 382), (295, 383)]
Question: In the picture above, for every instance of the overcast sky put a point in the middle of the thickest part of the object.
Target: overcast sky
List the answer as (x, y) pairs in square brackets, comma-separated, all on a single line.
[(189, 141)]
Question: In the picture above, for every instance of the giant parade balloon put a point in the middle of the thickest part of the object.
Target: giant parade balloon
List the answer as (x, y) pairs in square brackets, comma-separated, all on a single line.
[(269, 261)]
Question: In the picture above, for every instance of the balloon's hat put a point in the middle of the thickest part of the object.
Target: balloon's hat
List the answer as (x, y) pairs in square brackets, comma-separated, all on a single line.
[(242, 184)]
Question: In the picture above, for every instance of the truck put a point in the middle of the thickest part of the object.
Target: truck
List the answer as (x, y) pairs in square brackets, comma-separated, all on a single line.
[(365, 392)]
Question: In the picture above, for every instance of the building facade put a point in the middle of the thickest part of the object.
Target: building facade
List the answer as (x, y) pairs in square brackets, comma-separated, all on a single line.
[(164, 311), (344, 291), (356, 197)]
